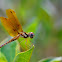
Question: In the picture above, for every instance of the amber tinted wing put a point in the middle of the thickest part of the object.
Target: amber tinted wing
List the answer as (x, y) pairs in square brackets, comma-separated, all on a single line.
[(8, 26), (14, 20)]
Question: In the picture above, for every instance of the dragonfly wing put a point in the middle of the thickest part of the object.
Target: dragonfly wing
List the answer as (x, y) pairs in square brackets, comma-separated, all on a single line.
[(8, 26), (14, 20)]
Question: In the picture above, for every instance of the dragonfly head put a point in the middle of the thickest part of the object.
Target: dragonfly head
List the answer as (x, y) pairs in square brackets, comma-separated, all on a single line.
[(31, 34)]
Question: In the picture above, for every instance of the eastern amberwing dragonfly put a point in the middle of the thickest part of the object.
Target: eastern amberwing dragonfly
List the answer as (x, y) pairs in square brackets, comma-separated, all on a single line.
[(13, 27)]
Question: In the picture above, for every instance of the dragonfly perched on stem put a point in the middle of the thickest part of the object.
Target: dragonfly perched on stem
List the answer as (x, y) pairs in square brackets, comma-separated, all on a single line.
[(13, 27)]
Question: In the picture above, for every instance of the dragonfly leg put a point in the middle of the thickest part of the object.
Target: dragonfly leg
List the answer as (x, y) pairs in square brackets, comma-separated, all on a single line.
[(31, 43)]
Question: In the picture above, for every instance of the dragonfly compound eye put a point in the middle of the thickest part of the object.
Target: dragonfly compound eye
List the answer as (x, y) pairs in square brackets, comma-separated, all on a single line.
[(31, 34)]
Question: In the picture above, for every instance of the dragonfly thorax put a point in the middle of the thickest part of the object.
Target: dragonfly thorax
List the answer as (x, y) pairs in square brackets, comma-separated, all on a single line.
[(26, 35)]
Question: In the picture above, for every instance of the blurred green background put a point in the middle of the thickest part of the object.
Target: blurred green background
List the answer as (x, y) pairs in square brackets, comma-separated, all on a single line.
[(46, 16)]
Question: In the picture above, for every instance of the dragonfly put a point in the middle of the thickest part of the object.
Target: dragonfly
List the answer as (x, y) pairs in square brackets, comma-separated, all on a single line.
[(13, 27)]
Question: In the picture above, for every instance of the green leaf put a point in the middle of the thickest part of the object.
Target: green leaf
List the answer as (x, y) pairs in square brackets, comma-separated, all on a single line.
[(25, 44), (24, 56), (2, 58), (57, 59), (9, 50), (17, 50)]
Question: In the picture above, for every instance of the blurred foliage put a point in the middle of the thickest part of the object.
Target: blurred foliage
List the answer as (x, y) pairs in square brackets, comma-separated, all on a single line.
[(2, 58), (44, 18), (56, 59)]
